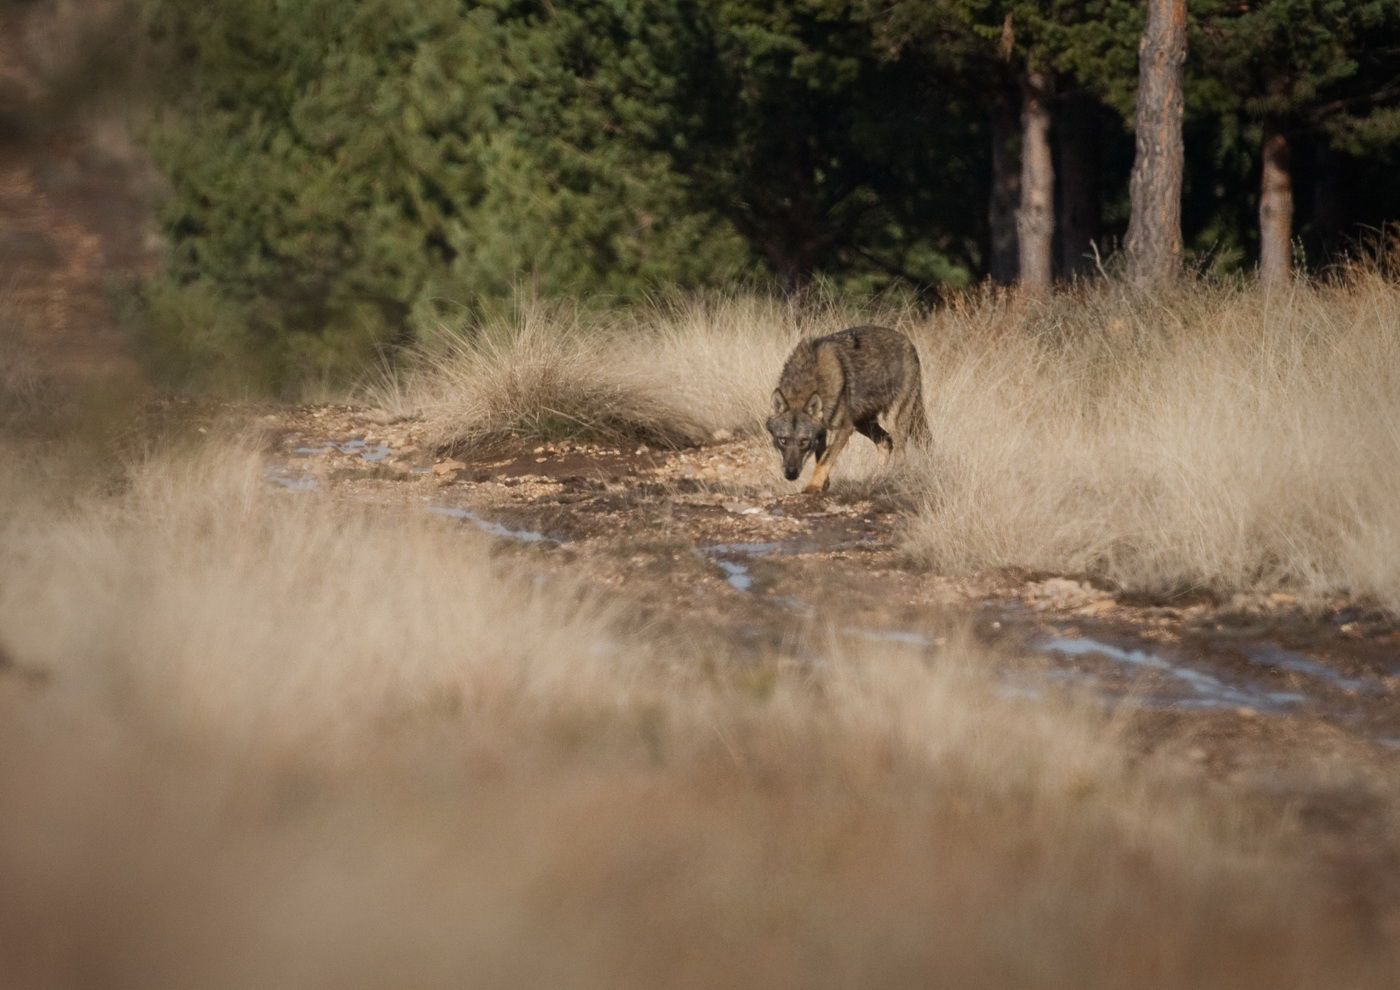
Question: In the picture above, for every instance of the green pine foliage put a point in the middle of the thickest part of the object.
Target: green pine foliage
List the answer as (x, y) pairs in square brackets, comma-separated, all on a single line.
[(341, 173)]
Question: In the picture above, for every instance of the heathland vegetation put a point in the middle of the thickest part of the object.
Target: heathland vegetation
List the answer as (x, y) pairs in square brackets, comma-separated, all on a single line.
[(258, 736), (254, 735), (1203, 436)]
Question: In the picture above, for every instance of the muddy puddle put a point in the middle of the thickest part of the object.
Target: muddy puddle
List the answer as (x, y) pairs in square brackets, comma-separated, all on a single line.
[(1197, 673), (359, 446), (759, 567), (494, 528), (292, 480), (1254, 678), (735, 560), (1155, 677)]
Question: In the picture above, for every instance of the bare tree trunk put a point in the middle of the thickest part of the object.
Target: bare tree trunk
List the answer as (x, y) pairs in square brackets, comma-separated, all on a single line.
[(1153, 243), (1035, 220), (1006, 193), (1077, 216), (1276, 207)]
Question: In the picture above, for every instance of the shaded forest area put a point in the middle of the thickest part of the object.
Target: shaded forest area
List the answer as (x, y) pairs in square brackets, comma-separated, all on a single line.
[(342, 175)]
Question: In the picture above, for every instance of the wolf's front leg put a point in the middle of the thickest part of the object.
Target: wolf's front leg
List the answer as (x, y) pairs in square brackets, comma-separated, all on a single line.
[(835, 439)]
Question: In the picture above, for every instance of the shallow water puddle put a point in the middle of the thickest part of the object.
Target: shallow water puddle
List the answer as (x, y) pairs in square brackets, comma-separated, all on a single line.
[(736, 571), (493, 527), (1204, 678), (366, 450), (736, 575), (1277, 658), (1200, 689), (297, 481)]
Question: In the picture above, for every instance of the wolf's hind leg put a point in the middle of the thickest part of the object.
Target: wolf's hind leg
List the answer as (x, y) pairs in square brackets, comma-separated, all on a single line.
[(908, 422), (878, 436)]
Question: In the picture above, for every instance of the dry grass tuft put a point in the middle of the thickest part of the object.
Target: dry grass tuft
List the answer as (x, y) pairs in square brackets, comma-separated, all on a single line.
[(672, 373), (282, 741), (1210, 438)]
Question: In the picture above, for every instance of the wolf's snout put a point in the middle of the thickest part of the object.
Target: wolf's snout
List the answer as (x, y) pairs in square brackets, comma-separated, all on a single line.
[(791, 474)]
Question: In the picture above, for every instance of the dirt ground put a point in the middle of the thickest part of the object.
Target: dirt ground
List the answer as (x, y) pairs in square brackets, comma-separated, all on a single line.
[(1256, 675), (1284, 710)]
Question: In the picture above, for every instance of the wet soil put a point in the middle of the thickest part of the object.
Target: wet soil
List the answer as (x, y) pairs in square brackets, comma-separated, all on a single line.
[(687, 539), (1291, 714)]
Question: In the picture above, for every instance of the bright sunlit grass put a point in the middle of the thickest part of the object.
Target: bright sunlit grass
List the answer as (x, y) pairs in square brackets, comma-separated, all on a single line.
[(675, 372), (1207, 437), (1215, 438)]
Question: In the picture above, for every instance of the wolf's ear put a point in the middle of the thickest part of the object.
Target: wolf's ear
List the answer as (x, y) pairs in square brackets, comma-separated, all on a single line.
[(814, 406), (780, 405)]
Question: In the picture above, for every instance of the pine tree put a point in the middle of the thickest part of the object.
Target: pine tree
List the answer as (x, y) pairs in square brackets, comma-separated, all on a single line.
[(800, 134), (338, 171), (1299, 73), (1153, 245)]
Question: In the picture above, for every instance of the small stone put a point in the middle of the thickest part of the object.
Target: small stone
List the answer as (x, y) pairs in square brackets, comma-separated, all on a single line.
[(740, 508)]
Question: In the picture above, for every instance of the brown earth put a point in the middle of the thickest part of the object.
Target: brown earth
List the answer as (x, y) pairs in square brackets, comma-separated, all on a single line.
[(1286, 711), (666, 529)]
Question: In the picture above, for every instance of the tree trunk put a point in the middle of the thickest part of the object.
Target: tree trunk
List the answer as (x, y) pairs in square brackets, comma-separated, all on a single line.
[(1006, 193), (1153, 243), (1077, 216), (1276, 207), (1035, 220)]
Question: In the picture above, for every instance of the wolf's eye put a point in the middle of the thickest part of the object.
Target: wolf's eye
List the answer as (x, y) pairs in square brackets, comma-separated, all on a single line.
[(805, 444)]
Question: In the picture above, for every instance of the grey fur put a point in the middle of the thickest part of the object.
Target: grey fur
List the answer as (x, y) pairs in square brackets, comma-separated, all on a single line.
[(844, 382)]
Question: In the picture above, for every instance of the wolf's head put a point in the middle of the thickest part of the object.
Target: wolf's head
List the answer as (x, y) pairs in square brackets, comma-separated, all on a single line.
[(797, 432)]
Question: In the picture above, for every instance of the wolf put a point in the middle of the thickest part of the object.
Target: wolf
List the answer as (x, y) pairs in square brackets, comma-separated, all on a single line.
[(833, 385)]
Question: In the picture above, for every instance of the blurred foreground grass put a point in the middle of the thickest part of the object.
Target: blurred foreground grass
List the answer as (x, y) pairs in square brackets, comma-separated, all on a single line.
[(259, 737)]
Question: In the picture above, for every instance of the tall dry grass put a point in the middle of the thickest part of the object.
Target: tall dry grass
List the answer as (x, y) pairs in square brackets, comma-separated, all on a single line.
[(1211, 437), (673, 372), (253, 737)]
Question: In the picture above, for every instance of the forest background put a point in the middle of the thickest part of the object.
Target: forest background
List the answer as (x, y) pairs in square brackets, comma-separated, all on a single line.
[(342, 175)]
